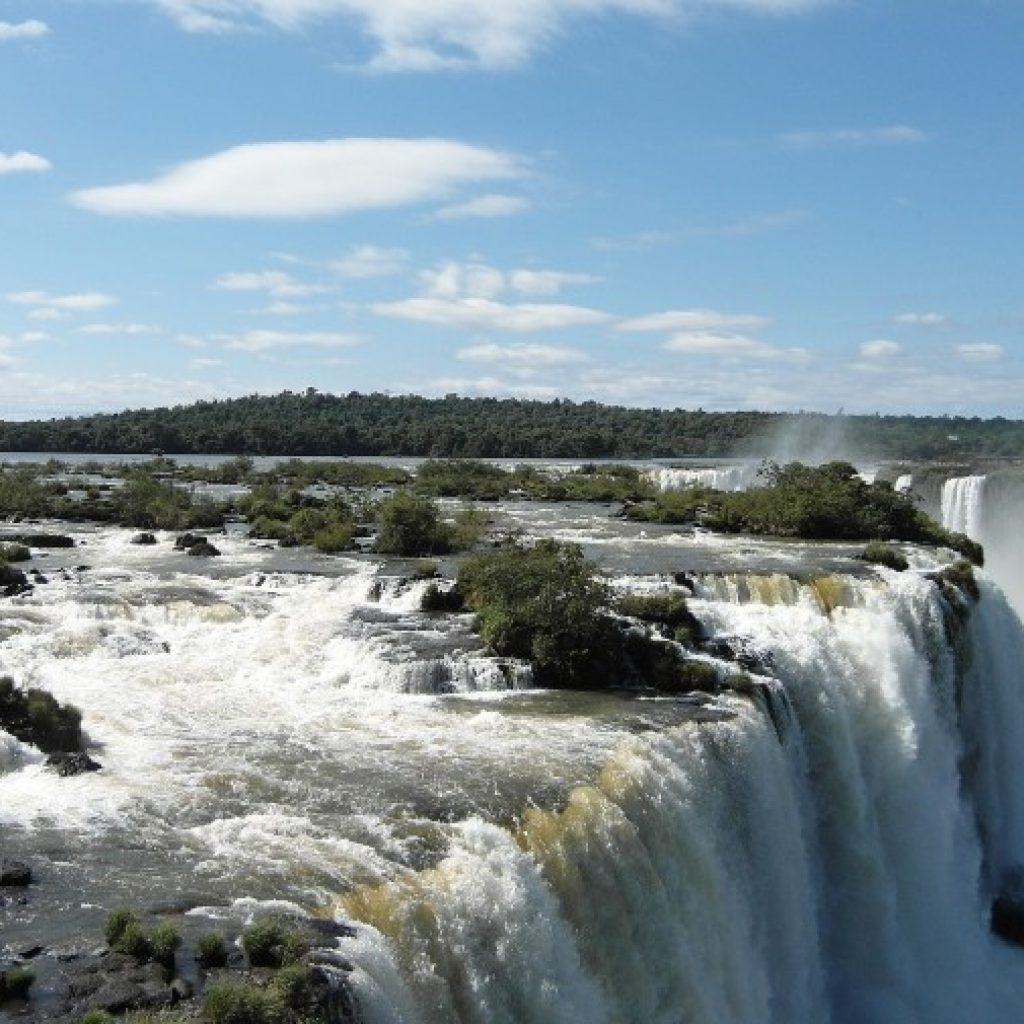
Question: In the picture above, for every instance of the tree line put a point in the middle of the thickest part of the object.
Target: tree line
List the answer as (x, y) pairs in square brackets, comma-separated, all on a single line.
[(314, 423)]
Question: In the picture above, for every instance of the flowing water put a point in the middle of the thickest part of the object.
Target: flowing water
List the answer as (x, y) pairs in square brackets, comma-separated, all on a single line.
[(280, 726)]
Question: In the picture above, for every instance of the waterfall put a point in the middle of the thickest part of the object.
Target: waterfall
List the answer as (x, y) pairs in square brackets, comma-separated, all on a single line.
[(903, 483), (715, 873), (721, 478), (961, 505)]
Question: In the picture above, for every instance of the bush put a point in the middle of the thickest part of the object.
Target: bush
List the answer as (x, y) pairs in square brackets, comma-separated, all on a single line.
[(241, 1002), (211, 950), (96, 1017), (133, 942), (437, 600), (272, 943), (35, 716), (14, 553), (165, 940), (118, 921), (961, 575), (409, 525), (470, 526), (667, 611), (465, 478), (883, 554), (543, 604), (334, 537), (291, 987), (15, 983)]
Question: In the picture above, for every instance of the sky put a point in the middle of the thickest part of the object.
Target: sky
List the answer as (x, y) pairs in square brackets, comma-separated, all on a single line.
[(717, 204)]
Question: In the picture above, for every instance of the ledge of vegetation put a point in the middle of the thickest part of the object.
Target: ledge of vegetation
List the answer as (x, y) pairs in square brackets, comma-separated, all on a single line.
[(36, 717)]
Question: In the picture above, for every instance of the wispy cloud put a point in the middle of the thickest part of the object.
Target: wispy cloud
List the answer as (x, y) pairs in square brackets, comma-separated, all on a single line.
[(922, 319), (487, 207), (529, 357), (274, 282), (980, 352), (265, 341), (452, 279), (31, 29), (308, 179), (886, 135), (129, 330), (80, 302), (730, 346), (880, 348), (456, 34), (368, 261), (695, 320), (23, 162), (486, 314)]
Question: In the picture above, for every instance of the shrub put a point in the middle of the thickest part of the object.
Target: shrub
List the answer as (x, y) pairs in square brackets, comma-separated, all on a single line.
[(409, 525), (544, 604), (465, 478), (961, 575), (668, 611), (333, 538), (241, 1002), (133, 942), (15, 983), (437, 600), (96, 1017), (14, 553), (211, 950), (118, 921), (470, 526), (272, 943), (883, 554), (291, 986), (165, 940), (35, 716)]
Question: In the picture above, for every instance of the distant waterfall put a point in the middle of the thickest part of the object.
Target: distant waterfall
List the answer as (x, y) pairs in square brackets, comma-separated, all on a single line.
[(715, 874), (721, 478), (961, 505)]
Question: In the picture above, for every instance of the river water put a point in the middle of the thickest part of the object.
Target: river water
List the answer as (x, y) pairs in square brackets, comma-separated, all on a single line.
[(289, 727)]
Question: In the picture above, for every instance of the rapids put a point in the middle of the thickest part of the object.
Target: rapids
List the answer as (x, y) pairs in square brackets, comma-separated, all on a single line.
[(289, 727)]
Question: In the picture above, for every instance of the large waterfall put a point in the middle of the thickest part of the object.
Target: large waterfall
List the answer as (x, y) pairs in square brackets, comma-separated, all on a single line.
[(827, 864), (823, 848)]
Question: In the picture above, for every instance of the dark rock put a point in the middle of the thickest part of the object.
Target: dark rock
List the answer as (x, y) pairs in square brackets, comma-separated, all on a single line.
[(683, 579), (739, 650), (186, 540), (181, 990), (14, 873), (203, 549), (1007, 918), (43, 540), (287, 542), (68, 764), (32, 952), (117, 984), (144, 538)]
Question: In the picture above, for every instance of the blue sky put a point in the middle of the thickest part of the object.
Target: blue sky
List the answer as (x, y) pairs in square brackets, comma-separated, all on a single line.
[(725, 204)]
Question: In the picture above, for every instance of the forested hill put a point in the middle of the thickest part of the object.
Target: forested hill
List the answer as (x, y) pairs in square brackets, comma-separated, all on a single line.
[(311, 423)]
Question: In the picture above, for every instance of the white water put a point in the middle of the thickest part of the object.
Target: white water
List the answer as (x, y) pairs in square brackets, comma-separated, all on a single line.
[(514, 859), (961, 504), (721, 478)]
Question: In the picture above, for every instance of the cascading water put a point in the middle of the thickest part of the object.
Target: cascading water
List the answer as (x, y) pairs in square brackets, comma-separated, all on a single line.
[(961, 504), (721, 478), (515, 857)]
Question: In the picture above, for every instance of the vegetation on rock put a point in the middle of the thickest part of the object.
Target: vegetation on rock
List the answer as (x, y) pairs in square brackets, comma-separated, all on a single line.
[(884, 554), (35, 716)]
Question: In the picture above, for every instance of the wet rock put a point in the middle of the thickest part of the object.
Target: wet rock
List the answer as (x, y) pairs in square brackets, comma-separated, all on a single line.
[(32, 952), (739, 650), (181, 990), (1007, 918), (144, 538), (13, 581), (117, 984), (203, 549), (14, 873), (68, 764), (186, 540), (43, 540)]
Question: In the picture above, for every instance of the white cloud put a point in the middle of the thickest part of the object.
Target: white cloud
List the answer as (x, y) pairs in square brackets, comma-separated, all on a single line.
[(489, 207), (264, 341), (204, 363), (367, 261), (415, 35), (289, 309), (307, 179), (710, 343), (275, 282), (522, 356), (642, 241), (81, 302), (980, 352), (46, 313), (695, 320), (31, 29), (922, 319), (547, 282), (452, 280), (489, 315), (880, 348), (14, 163), (131, 330), (893, 134)]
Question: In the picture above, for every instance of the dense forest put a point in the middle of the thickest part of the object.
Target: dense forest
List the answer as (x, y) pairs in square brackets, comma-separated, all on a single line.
[(312, 423)]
